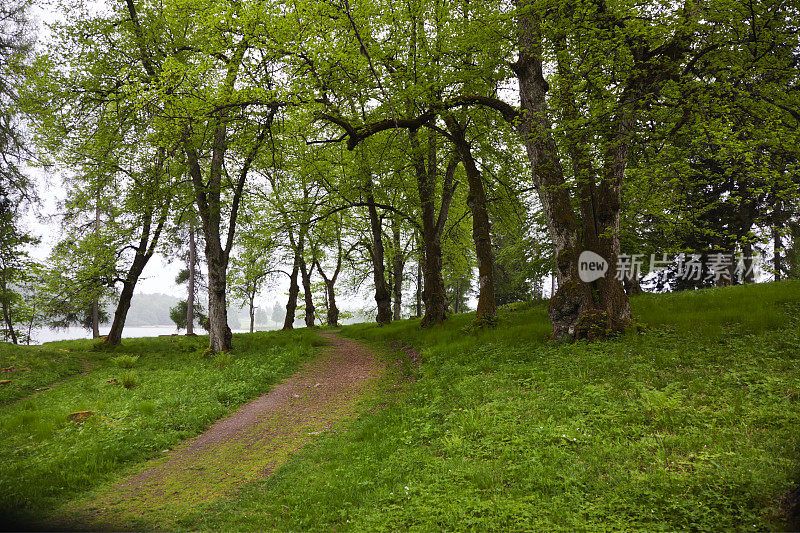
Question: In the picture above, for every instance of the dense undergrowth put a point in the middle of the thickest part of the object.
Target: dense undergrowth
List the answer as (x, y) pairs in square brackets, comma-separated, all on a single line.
[(144, 396), (688, 423)]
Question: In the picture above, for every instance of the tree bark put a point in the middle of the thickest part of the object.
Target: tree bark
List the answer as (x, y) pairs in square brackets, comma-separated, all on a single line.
[(294, 290), (577, 309), (95, 319), (332, 314), (209, 205), (476, 200), (208, 196), (434, 295), (776, 251), (333, 311), (397, 269), (191, 283), (9, 323), (114, 337), (252, 311), (220, 333), (144, 251), (420, 261), (747, 263), (305, 275), (382, 298)]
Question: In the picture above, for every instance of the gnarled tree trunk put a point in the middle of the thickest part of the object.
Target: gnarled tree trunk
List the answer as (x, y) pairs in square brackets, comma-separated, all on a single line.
[(577, 309)]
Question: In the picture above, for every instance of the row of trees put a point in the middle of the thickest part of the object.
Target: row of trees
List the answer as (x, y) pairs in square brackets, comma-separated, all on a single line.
[(361, 139)]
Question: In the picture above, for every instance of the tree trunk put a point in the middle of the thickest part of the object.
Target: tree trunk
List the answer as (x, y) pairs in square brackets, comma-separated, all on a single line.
[(333, 311), (294, 290), (209, 197), (95, 319), (332, 314), (476, 200), (382, 298), (397, 270), (9, 324), (30, 325), (209, 204), (577, 309), (632, 286), (776, 250), (220, 334), (95, 302), (748, 276), (252, 312), (727, 278), (144, 252), (114, 337), (420, 260), (791, 255), (434, 294), (305, 274), (191, 283)]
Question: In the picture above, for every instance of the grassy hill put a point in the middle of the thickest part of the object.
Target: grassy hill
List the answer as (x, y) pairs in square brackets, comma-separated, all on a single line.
[(691, 423), (688, 421)]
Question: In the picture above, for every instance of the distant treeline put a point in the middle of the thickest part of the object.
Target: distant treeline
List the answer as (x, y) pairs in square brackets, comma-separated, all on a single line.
[(149, 310), (153, 310)]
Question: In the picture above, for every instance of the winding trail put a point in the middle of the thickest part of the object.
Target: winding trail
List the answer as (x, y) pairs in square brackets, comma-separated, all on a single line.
[(246, 446)]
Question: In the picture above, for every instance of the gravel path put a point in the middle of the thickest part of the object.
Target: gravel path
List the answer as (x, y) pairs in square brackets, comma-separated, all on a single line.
[(246, 446)]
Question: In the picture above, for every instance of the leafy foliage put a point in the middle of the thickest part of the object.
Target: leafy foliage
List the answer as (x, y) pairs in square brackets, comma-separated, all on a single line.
[(178, 314)]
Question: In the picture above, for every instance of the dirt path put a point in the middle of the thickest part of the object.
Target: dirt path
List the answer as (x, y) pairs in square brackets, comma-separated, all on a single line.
[(248, 445)]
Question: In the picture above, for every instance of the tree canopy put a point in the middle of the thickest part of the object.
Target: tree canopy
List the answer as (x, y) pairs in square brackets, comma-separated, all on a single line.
[(428, 150)]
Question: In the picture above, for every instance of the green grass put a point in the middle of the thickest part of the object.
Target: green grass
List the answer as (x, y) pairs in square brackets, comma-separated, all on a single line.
[(36, 367), (692, 424), (168, 391)]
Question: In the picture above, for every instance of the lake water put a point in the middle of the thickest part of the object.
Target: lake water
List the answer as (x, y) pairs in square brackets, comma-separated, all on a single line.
[(48, 335)]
